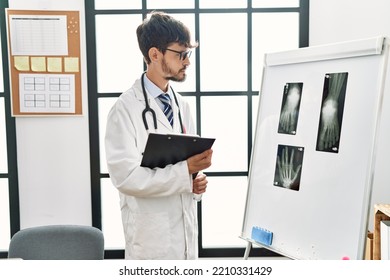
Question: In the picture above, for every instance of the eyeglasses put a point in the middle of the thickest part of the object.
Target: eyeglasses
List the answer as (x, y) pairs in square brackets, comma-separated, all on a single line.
[(183, 55)]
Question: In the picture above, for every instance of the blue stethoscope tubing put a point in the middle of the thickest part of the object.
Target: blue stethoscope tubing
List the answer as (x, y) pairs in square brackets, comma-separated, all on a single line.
[(150, 110)]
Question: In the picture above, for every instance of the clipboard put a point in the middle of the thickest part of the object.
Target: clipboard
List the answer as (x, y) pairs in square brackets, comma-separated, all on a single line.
[(164, 149)]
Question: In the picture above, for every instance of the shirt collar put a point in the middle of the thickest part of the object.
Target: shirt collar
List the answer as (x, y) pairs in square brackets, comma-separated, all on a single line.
[(152, 89)]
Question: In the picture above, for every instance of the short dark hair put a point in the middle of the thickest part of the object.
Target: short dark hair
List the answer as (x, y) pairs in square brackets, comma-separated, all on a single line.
[(159, 31)]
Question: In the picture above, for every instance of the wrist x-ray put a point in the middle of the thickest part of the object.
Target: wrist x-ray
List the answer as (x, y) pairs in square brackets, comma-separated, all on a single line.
[(331, 115)]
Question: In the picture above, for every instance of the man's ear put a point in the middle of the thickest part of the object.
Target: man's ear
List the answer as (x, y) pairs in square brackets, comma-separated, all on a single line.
[(154, 54)]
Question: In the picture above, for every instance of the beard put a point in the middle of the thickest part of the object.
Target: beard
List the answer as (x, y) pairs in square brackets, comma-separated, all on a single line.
[(172, 75)]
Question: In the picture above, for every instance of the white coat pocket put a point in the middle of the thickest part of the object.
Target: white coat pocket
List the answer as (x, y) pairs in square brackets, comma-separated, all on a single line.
[(151, 236)]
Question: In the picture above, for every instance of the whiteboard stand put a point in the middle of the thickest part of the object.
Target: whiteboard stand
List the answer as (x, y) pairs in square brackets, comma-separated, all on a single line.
[(247, 250), (321, 211), (250, 244)]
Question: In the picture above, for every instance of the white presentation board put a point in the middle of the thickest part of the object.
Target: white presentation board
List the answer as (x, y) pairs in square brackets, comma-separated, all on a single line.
[(312, 162)]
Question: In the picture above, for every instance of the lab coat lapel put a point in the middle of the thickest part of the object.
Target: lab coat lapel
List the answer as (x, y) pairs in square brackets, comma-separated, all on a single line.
[(161, 118)]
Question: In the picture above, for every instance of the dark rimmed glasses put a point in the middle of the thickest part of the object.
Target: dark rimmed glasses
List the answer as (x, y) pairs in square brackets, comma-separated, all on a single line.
[(182, 55)]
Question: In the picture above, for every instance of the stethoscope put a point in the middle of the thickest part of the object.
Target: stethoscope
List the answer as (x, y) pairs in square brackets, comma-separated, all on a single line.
[(150, 110)]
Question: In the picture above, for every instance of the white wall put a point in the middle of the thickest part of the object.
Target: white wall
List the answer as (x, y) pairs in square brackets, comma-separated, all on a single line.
[(53, 152), (342, 20)]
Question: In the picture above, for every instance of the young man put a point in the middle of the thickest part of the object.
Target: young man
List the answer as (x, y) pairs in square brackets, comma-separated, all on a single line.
[(158, 205)]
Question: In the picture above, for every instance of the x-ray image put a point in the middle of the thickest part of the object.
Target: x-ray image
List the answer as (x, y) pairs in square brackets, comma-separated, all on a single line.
[(288, 167), (290, 108), (332, 108)]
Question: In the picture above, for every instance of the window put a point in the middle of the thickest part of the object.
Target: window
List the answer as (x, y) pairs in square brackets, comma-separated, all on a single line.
[(225, 69)]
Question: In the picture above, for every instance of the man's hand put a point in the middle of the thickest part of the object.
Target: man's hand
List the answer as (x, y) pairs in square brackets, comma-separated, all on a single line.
[(199, 184), (199, 162)]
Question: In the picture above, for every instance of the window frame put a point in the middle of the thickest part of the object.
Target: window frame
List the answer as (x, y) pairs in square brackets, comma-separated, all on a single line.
[(12, 174), (94, 95)]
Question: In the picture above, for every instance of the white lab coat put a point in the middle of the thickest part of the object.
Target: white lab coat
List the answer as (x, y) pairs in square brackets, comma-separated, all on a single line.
[(158, 206)]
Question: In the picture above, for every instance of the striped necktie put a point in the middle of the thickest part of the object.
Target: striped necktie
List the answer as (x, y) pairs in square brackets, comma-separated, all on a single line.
[(166, 100)]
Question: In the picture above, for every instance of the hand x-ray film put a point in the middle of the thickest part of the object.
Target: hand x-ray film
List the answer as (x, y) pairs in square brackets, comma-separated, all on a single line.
[(331, 115), (289, 112), (288, 167)]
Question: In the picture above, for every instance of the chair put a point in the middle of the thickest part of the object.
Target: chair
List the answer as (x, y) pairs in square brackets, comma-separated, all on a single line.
[(58, 242)]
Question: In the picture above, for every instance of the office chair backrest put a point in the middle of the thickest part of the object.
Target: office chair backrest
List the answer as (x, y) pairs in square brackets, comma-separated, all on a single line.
[(58, 242)]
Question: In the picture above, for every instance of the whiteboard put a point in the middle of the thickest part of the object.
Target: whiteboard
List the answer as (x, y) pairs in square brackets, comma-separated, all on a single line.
[(312, 163)]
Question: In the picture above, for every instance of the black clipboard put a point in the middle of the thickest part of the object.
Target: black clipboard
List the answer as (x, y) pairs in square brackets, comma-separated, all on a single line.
[(164, 149)]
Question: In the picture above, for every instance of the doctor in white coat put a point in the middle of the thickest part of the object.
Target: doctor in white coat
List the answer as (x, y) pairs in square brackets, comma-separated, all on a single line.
[(158, 205)]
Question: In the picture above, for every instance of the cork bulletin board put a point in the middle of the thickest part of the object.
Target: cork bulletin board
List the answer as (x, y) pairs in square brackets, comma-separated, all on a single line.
[(44, 59)]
